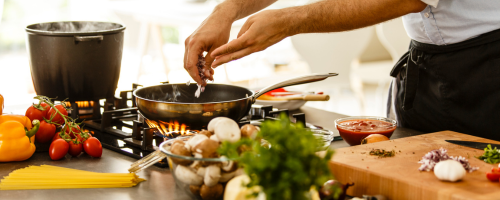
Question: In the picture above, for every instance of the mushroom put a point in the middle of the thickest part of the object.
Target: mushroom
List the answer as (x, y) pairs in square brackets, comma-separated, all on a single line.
[(227, 130), (201, 171), (205, 132), (212, 175), (240, 171), (214, 138), (179, 149), (188, 175), (195, 189), (225, 177), (207, 148), (195, 140), (228, 166), (249, 131), (213, 122), (211, 193)]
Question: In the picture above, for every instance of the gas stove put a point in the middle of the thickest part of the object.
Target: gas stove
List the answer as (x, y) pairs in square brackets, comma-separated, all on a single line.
[(120, 127)]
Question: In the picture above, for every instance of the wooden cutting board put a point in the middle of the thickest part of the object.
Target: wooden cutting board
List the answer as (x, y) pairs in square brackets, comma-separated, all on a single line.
[(398, 177)]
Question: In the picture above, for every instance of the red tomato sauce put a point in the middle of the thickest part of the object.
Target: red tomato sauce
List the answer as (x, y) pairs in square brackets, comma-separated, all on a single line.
[(353, 131)]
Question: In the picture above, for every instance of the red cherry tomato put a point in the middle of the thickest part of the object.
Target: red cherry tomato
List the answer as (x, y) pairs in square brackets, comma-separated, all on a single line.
[(46, 132), (494, 175), (34, 113), (56, 136), (73, 130), (57, 117), (58, 149), (93, 147), (75, 149)]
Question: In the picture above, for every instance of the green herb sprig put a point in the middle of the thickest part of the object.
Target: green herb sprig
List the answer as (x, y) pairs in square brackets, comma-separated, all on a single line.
[(288, 167), (490, 155)]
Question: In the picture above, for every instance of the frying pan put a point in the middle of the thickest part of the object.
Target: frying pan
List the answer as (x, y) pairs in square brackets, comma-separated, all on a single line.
[(176, 102)]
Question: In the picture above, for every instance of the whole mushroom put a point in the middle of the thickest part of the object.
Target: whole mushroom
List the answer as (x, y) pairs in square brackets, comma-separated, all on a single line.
[(188, 175), (211, 193), (227, 130), (178, 148), (212, 175), (249, 131), (213, 122), (195, 140), (205, 132)]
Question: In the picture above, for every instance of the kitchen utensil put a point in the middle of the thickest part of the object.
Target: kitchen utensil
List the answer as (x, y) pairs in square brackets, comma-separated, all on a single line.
[(289, 105), (398, 177), (475, 145), (176, 102), (76, 61), (164, 152), (308, 97), (355, 137)]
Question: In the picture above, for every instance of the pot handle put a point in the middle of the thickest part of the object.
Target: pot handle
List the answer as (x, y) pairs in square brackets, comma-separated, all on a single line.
[(294, 81), (89, 38)]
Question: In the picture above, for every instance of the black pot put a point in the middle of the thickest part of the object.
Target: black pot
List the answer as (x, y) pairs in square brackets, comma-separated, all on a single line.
[(75, 60)]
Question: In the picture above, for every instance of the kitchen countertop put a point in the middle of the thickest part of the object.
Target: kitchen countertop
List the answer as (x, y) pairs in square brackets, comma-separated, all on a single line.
[(160, 183)]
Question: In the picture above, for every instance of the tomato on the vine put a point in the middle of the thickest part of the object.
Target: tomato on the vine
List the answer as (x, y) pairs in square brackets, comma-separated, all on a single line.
[(57, 117), (93, 147), (34, 113), (46, 132), (58, 149), (56, 136), (75, 149), (74, 131)]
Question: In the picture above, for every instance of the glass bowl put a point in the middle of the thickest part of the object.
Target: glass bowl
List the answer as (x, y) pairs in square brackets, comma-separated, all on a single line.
[(179, 164), (361, 126)]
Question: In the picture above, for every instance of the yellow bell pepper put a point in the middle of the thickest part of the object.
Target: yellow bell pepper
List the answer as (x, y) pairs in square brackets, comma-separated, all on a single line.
[(20, 118), (17, 142), (1, 104)]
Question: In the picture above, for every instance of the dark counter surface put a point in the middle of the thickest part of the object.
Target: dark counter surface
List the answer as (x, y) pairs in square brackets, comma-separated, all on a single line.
[(160, 183)]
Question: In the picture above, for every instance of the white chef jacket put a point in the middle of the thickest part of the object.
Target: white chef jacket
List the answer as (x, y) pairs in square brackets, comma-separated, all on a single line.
[(445, 22)]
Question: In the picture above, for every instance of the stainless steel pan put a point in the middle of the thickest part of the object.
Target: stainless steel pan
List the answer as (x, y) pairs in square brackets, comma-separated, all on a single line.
[(176, 102)]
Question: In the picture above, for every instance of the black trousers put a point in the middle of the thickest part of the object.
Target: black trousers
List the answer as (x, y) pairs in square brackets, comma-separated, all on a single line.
[(454, 87)]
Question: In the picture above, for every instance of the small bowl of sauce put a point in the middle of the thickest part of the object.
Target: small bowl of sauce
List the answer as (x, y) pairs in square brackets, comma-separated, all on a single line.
[(355, 129)]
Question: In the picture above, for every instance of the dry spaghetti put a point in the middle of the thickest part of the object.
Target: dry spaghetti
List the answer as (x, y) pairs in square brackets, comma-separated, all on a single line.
[(52, 177)]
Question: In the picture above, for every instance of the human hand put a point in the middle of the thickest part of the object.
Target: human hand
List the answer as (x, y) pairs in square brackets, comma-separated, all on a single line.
[(212, 33), (259, 32)]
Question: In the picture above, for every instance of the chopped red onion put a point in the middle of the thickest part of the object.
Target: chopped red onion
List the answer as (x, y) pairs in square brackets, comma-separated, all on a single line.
[(430, 160)]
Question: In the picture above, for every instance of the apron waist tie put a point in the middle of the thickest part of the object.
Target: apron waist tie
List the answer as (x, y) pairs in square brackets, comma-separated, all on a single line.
[(409, 62)]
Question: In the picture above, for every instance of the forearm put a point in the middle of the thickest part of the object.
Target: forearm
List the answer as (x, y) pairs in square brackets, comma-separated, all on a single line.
[(233, 10), (344, 15)]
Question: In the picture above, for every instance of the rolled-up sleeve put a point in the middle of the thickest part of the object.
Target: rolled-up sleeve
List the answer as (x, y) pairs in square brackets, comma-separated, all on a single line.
[(433, 3)]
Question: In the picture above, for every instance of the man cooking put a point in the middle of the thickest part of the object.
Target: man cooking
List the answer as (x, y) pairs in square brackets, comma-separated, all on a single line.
[(448, 80)]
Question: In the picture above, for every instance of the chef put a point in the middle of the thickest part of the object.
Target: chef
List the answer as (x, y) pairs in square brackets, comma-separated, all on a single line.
[(448, 80)]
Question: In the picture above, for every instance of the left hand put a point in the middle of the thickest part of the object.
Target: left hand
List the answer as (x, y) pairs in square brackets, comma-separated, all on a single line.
[(259, 32)]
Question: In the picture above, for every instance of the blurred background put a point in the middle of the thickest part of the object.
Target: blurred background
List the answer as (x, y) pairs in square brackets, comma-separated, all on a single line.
[(154, 49)]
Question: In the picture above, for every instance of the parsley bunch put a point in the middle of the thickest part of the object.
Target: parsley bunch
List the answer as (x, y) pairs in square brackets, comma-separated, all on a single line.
[(288, 167), (490, 155)]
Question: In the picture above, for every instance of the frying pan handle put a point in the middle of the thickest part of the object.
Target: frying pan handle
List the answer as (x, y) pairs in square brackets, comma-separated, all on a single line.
[(294, 81)]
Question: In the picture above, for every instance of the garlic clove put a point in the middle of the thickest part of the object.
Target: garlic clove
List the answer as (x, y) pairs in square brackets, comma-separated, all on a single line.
[(449, 170)]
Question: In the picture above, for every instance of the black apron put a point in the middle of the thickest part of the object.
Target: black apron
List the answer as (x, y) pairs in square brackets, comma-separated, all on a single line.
[(453, 87)]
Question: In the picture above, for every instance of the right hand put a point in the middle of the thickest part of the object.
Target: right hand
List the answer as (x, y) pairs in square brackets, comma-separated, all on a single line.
[(211, 34)]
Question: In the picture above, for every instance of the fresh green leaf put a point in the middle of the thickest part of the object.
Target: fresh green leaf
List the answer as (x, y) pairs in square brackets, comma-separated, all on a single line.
[(490, 155)]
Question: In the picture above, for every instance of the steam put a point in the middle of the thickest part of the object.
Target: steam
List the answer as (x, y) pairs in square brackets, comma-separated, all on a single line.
[(76, 27)]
